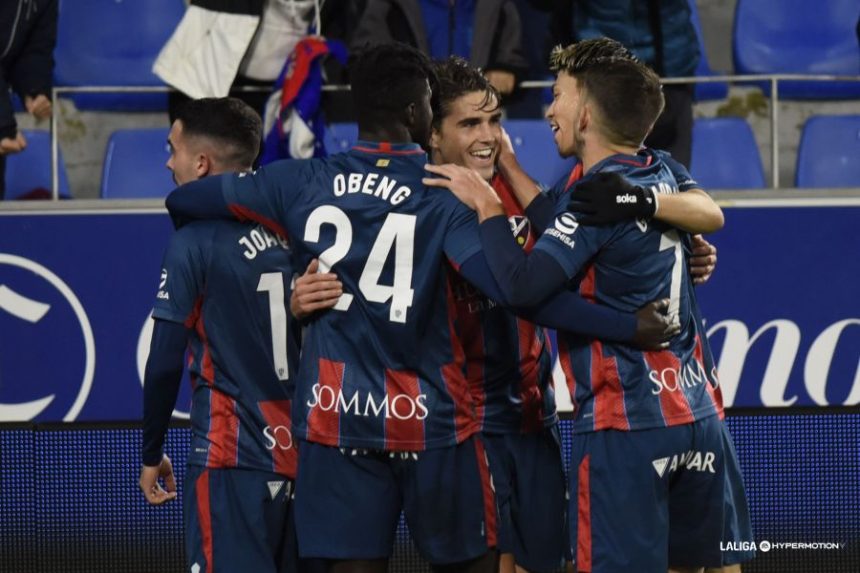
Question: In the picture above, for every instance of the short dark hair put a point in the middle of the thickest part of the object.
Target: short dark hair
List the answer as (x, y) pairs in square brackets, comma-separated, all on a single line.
[(386, 78), (231, 123), (455, 77), (626, 91)]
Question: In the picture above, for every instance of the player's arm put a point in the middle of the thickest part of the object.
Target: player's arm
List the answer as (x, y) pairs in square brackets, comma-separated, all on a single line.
[(162, 379), (512, 267), (607, 197), (538, 206), (181, 284), (262, 197)]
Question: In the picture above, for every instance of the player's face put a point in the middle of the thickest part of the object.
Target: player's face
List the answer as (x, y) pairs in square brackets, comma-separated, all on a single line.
[(422, 118), (470, 134), (184, 162), (567, 115)]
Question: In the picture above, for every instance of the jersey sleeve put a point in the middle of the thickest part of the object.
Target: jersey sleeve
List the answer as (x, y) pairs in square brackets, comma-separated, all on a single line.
[(682, 176), (183, 273), (461, 235), (570, 244), (265, 196)]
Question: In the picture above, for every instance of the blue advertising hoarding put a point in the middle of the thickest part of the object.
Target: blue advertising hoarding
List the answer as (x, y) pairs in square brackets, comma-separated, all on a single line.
[(76, 289)]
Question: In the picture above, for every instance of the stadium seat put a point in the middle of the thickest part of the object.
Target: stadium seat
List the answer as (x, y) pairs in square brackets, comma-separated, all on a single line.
[(708, 90), (829, 153), (799, 37), (725, 154), (339, 137), (28, 174), (114, 43), (536, 150), (134, 166)]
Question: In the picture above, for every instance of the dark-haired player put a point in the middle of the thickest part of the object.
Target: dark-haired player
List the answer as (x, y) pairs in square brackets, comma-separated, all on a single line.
[(222, 295), (648, 477)]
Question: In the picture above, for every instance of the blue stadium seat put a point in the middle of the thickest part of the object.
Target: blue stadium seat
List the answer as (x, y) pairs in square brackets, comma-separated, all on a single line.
[(536, 150), (725, 154), (135, 165), (829, 153), (114, 42), (799, 37), (339, 137), (708, 90), (29, 172)]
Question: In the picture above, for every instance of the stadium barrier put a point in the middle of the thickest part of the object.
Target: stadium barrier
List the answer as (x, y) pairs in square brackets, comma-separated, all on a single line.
[(71, 503), (772, 80)]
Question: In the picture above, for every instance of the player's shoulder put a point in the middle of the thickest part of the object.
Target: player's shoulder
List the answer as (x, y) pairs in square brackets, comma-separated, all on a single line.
[(195, 235)]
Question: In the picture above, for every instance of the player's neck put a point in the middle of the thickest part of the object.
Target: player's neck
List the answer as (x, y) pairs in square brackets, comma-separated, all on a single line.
[(386, 133), (595, 152)]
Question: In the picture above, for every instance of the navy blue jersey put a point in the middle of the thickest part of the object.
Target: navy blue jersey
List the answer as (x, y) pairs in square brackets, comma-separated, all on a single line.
[(230, 283), (508, 359), (625, 266), (384, 368)]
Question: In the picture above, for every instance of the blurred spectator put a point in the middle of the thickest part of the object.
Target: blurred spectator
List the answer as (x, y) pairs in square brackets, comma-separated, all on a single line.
[(662, 35), (223, 44), (28, 33), (488, 33)]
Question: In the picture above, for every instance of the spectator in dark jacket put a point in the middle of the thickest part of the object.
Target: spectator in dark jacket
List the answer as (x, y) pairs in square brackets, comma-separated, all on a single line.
[(28, 33), (488, 33), (658, 32)]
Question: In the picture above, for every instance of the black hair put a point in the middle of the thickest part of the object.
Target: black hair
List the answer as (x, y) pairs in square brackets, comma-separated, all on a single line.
[(455, 77), (386, 78), (229, 122)]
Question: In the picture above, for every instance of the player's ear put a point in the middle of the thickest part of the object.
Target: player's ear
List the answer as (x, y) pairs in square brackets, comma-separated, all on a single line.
[(435, 138), (202, 165)]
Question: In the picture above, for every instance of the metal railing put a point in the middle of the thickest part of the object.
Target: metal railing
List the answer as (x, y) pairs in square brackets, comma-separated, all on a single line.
[(774, 80)]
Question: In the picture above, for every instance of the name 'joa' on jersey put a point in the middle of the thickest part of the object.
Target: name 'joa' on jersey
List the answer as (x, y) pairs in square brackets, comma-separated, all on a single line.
[(383, 368), (625, 266)]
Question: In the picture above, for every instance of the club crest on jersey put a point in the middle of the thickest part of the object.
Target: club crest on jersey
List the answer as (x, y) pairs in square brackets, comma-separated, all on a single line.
[(520, 227)]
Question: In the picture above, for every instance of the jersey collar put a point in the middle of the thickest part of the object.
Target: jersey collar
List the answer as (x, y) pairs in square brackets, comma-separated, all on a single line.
[(386, 148), (641, 159)]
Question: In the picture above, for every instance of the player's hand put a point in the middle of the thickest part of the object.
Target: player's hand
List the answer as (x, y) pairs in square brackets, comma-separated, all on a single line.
[(152, 490), (608, 197), (38, 106), (654, 327), (10, 145), (467, 185), (703, 261), (314, 291), (503, 81)]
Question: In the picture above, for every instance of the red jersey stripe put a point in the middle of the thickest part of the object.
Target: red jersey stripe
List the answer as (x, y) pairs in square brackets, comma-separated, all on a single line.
[(324, 424), (586, 287), (487, 493), (223, 433), (465, 421), (276, 413), (242, 213), (609, 411), (204, 516), (385, 149), (583, 516), (575, 175), (406, 409), (715, 394), (530, 391), (673, 401)]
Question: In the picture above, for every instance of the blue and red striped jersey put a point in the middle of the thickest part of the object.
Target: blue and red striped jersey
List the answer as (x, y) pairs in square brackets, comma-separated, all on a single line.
[(625, 266), (508, 359), (229, 283), (384, 368)]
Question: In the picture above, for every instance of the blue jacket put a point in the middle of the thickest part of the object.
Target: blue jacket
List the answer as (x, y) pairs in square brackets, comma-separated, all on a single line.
[(630, 22), (28, 33)]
